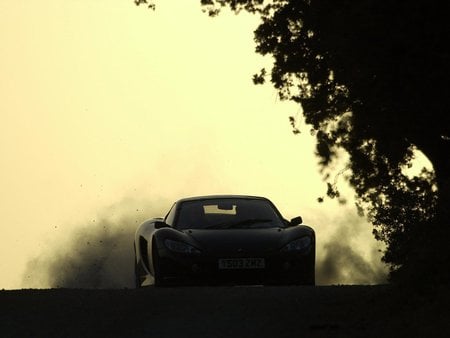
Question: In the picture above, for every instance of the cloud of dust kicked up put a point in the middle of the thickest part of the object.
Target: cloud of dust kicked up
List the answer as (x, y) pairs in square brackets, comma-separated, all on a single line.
[(97, 255), (350, 254), (101, 254)]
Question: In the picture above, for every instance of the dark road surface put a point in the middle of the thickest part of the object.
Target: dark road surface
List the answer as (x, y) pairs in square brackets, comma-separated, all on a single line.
[(324, 311)]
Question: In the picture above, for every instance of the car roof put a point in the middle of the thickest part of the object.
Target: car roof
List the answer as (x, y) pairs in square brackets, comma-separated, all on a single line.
[(210, 197)]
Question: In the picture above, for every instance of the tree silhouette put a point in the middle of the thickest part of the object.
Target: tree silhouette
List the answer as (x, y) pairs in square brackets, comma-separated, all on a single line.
[(372, 78)]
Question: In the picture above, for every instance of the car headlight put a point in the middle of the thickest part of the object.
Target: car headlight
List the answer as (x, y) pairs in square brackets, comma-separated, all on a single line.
[(299, 245), (180, 247)]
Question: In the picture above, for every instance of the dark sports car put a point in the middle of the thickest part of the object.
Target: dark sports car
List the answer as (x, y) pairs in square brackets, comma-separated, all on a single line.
[(224, 239)]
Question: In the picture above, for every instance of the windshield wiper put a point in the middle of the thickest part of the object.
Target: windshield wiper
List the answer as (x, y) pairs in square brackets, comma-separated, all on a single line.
[(231, 225)]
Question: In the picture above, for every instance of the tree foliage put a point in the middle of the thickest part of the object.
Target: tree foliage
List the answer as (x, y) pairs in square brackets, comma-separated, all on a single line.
[(372, 79)]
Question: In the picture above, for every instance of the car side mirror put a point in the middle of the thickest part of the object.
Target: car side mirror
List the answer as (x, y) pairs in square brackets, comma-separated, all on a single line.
[(160, 224), (296, 221)]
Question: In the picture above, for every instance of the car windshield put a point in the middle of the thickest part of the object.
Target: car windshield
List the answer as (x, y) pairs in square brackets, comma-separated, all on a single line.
[(228, 213)]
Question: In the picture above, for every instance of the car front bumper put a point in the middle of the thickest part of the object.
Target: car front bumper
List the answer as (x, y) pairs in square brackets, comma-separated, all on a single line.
[(279, 268)]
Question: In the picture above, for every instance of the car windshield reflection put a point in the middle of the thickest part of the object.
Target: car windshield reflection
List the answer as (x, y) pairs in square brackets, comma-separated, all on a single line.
[(228, 214)]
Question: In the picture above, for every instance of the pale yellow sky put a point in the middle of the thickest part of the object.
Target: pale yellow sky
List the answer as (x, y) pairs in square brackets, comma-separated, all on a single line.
[(102, 100)]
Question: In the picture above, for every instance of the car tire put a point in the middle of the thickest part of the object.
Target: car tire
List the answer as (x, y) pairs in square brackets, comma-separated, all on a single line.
[(311, 280), (137, 275), (158, 277)]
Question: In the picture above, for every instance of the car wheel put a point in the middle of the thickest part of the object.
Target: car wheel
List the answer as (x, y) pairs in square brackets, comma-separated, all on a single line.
[(137, 275), (157, 275), (311, 280), (311, 276), (308, 278)]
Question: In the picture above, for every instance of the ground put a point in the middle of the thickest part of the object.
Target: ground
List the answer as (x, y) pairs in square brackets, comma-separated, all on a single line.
[(291, 311)]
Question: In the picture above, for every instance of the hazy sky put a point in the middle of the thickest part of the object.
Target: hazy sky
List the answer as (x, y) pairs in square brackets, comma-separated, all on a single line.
[(103, 101)]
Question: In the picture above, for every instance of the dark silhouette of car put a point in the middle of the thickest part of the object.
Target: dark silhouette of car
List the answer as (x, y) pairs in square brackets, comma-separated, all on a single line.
[(225, 239)]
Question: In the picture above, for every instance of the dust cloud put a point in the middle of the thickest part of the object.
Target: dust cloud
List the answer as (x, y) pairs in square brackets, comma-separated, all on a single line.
[(96, 254), (100, 254), (350, 254), (341, 264)]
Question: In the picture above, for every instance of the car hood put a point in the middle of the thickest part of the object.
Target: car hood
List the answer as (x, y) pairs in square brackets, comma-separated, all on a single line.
[(238, 241)]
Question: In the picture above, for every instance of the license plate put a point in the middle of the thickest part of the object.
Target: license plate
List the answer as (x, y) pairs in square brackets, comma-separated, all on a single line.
[(241, 263)]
